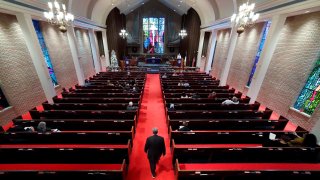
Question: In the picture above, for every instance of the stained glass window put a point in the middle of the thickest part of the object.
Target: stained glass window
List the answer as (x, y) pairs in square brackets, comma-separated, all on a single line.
[(153, 30), (256, 59), (309, 97), (45, 52), (3, 101)]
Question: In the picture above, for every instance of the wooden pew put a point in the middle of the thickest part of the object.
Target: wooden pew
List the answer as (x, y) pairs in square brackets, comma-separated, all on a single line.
[(95, 100), (230, 124), (228, 154), (219, 114), (64, 171), (76, 124), (202, 100), (195, 138), (83, 114), (102, 95), (64, 154), (215, 106), (86, 106), (248, 171), (68, 137)]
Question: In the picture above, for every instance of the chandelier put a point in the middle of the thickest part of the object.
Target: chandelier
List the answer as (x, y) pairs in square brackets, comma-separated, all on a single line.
[(245, 18), (123, 33), (183, 33), (58, 16)]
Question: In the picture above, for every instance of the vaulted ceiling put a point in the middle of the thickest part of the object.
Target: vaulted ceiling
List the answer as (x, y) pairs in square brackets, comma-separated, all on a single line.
[(208, 10)]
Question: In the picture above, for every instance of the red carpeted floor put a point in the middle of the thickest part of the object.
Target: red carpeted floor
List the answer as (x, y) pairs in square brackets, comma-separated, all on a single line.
[(151, 115)]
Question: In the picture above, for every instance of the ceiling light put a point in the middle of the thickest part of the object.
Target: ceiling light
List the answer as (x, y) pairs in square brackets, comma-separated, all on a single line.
[(307, 11), (58, 15), (245, 17)]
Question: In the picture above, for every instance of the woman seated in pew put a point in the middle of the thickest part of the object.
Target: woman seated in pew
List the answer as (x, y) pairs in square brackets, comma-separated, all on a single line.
[(184, 127), (174, 74), (186, 84), (164, 76), (212, 95), (131, 107), (29, 129), (234, 100), (184, 96), (307, 140), (171, 108), (180, 83)]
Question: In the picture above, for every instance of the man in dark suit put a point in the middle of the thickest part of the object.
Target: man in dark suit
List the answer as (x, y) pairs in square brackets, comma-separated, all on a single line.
[(154, 147)]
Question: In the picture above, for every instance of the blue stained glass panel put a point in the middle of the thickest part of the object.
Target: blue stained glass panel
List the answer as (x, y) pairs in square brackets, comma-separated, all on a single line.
[(309, 97), (45, 52), (257, 57)]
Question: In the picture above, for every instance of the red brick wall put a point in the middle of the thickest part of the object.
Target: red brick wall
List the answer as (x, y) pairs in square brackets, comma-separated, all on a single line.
[(221, 53), (60, 54), (294, 58), (85, 54), (18, 77), (243, 57)]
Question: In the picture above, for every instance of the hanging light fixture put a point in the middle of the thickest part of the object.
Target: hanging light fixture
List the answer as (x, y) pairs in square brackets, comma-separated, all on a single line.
[(123, 33), (58, 16), (245, 18), (183, 32)]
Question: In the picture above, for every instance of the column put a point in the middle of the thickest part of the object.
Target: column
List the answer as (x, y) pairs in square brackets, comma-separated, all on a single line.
[(213, 40), (74, 51), (277, 24), (232, 46), (94, 50), (25, 22), (105, 46), (202, 32)]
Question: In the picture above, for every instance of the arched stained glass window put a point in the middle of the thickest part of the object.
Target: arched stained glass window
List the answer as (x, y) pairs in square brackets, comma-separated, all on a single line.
[(153, 30), (309, 97), (45, 52)]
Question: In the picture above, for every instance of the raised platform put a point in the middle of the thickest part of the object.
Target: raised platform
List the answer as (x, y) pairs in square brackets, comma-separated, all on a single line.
[(152, 68)]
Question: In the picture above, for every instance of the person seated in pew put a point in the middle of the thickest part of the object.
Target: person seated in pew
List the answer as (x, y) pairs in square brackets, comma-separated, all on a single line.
[(86, 82), (180, 83), (128, 73), (131, 107), (171, 107), (186, 84), (174, 74), (42, 128), (307, 140), (234, 100), (184, 96), (164, 76), (195, 95), (212, 95), (29, 129), (109, 83), (184, 127), (134, 90)]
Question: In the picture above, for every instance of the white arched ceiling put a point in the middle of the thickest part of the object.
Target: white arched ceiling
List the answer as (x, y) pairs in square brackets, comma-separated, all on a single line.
[(204, 8), (226, 8)]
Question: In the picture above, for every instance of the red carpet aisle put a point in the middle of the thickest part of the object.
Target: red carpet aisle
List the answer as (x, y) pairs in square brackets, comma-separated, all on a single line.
[(151, 115)]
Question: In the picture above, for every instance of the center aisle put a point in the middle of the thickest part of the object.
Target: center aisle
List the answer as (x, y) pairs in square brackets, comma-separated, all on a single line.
[(151, 115)]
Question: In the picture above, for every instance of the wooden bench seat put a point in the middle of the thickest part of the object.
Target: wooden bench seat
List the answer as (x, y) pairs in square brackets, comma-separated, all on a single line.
[(64, 171)]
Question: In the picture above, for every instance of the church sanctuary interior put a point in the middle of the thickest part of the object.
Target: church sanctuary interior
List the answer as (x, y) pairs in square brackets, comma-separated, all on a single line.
[(232, 87)]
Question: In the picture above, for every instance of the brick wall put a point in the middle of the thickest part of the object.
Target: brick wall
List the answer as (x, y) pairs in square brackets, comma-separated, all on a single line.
[(18, 77), (243, 57), (221, 53), (60, 54), (294, 58), (85, 54)]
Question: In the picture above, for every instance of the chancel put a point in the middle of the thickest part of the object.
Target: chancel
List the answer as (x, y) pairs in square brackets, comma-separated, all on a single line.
[(222, 89)]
